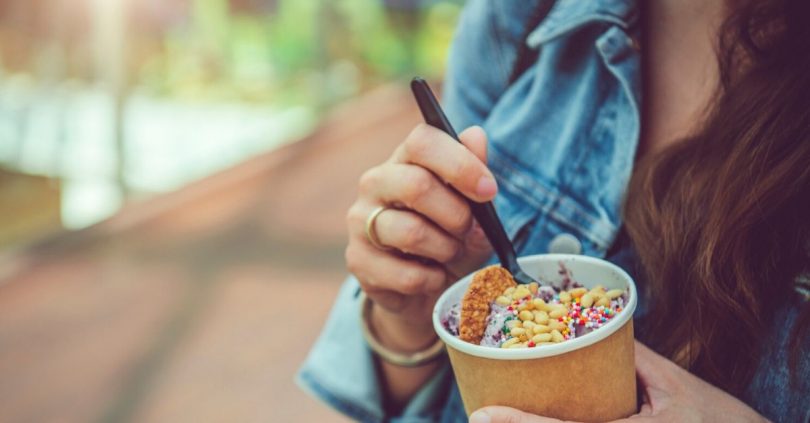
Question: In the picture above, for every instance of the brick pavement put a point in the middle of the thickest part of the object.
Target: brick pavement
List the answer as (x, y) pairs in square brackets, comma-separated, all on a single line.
[(188, 306)]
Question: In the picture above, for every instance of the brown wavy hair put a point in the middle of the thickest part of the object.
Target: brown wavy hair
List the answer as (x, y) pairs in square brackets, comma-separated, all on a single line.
[(721, 219)]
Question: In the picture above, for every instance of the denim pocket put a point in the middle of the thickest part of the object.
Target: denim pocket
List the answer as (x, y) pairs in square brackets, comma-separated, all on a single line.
[(533, 212)]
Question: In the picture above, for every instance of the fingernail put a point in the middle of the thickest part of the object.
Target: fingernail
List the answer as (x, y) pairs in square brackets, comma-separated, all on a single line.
[(480, 416), (486, 187)]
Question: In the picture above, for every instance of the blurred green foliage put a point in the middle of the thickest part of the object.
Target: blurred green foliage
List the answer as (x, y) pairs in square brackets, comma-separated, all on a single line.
[(313, 52)]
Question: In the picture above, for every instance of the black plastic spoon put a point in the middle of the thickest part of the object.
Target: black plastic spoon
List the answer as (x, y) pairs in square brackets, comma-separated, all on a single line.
[(484, 212)]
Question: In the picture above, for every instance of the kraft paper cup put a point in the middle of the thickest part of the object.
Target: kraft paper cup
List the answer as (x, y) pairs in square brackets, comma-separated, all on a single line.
[(590, 378)]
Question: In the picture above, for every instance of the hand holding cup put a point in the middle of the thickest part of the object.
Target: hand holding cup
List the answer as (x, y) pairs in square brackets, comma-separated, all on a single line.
[(424, 237)]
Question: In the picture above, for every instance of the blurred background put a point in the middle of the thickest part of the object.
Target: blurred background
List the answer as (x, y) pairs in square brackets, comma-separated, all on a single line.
[(173, 180)]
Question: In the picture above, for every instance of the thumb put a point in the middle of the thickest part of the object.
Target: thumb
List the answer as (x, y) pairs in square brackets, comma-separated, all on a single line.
[(657, 376), (498, 414), (475, 139), (653, 369)]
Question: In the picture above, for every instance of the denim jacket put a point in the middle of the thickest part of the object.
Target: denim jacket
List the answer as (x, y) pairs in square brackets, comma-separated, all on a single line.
[(563, 138)]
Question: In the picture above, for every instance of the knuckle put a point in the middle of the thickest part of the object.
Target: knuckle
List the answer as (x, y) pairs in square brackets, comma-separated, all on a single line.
[(451, 252), (418, 132), (415, 233), (369, 180), (467, 169), (350, 255), (355, 215), (411, 281), (418, 184), (461, 220), (418, 142)]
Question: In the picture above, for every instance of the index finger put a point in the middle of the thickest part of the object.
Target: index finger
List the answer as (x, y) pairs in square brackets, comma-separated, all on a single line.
[(451, 161)]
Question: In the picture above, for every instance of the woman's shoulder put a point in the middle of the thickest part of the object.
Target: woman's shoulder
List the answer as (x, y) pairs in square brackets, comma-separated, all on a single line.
[(492, 35)]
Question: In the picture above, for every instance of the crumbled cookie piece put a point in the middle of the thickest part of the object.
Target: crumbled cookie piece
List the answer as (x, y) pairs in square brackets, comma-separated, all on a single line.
[(487, 284)]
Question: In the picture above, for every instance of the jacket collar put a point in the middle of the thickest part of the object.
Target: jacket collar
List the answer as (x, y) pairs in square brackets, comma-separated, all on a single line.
[(570, 15)]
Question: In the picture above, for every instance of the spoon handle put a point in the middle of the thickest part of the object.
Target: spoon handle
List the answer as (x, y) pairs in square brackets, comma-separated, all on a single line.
[(484, 213)]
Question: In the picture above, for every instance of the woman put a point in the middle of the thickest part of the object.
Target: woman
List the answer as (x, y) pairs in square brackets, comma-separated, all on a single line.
[(699, 187)]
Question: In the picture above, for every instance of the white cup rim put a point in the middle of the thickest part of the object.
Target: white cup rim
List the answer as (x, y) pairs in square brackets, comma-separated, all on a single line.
[(606, 330)]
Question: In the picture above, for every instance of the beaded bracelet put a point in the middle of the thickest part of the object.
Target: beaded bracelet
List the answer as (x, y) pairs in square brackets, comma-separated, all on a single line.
[(415, 359)]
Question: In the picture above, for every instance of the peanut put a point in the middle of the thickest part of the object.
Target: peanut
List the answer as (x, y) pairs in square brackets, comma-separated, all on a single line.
[(577, 292), (614, 293), (520, 292), (586, 300), (565, 297), (557, 312), (542, 337), (529, 325), (541, 317), (517, 332), (503, 301), (538, 329), (556, 325), (556, 336), (511, 324), (539, 304), (597, 293), (533, 287), (526, 315), (604, 302), (509, 342)]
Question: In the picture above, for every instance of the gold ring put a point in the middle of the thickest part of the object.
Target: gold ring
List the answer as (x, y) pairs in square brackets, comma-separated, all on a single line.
[(371, 234)]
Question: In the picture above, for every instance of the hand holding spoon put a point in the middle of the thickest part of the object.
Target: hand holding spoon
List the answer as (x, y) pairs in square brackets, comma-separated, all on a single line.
[(484, 213)]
